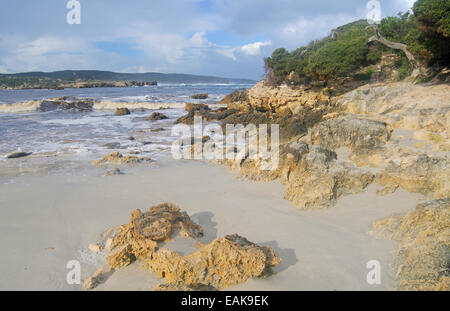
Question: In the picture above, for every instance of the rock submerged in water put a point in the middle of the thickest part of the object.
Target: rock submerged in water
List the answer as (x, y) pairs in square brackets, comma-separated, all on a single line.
[(194, 110), (222, 263), (122, 112), (156, 116), (67, 103), (18, 154), (199, 96)]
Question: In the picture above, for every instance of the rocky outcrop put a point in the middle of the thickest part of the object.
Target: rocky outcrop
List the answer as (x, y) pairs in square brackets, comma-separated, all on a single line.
[(235, 97), (360, 135), (156, 116), (199, 96), (281, 100), (396, 135), (363, 121), (67, 103), (117, 158), (194, 110), (423, 254), (93, 281), (122, 112), (222, 263), (18, 154), (318, 180), (418, 173), (424, 109)]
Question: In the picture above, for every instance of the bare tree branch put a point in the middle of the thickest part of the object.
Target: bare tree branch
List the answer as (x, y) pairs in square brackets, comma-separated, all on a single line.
[(394, 45)]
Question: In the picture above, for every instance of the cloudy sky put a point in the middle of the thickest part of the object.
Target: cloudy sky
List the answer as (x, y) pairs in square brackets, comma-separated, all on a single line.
[(226, 38)]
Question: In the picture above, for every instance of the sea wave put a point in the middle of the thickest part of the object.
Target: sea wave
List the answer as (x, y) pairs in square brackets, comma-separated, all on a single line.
[(110, 105), (27, 106), (35, 105)]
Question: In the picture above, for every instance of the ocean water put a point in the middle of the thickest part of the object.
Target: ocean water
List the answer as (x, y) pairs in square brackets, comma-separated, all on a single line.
[(89, 135)]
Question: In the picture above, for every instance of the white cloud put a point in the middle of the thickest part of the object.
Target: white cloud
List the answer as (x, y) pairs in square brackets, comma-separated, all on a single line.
[(230, 53), (254, 48), (251, 49), (302, 30), (47, 53), (169, 36)]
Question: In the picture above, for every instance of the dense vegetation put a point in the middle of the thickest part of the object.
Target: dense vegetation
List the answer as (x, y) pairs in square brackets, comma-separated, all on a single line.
[(426, 33)]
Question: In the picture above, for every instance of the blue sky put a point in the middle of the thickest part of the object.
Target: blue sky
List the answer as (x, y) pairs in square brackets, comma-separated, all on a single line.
[(210, 37)]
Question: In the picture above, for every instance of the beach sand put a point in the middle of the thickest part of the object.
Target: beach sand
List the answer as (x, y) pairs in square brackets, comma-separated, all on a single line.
[(47, 220)]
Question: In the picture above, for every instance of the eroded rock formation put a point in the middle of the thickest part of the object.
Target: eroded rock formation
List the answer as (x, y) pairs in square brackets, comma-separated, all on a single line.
[(423, 254), (364, 121), (393, 134), (117, 158), (122, 112), (199, 96), (222, 263), (156, 116)]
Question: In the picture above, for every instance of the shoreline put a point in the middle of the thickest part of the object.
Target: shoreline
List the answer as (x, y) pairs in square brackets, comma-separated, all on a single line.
[(58, 216)]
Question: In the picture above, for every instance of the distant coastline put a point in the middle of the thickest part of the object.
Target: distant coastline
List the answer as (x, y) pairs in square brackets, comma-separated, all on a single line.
[(78, 84), (94, 79)]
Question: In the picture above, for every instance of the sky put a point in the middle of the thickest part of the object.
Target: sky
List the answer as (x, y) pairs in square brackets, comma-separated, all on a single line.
[(227, 38)]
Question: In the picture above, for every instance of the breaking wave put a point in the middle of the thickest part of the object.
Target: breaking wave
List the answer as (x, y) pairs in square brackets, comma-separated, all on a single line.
[(35, 105), (27, 106)]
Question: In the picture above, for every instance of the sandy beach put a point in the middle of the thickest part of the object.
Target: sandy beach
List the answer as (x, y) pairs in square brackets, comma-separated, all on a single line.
[(52, 219)]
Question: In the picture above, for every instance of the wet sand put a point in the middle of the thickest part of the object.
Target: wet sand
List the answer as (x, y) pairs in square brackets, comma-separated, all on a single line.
[(47, 220)]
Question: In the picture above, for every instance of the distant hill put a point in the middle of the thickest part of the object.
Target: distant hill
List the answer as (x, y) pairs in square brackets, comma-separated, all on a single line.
[(89, 75)]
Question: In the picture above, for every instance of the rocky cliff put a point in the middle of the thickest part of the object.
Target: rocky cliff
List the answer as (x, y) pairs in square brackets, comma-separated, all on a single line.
[(395, 134), (392, 134)]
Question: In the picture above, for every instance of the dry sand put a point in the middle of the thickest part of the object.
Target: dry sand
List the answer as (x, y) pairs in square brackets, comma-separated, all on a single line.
[(45, 221)]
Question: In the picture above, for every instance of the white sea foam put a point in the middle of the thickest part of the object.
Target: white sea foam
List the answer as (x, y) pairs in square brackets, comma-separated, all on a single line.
[(34, 105), (111, 105), (27, 106)]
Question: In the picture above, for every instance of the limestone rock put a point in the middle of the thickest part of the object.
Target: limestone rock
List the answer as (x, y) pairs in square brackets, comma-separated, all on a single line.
[(93, 281), (181, 287), (118, 158), (67, 103), (121, 257), (235, 97), (318, 180), (156, 116), (122, 111), (423, 108), (313, 176), (199, 96), (418, 173), (222, 263), (139, 238), (190, 107), (351, 132), (18, 154), (279, 99), (423, 256)]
